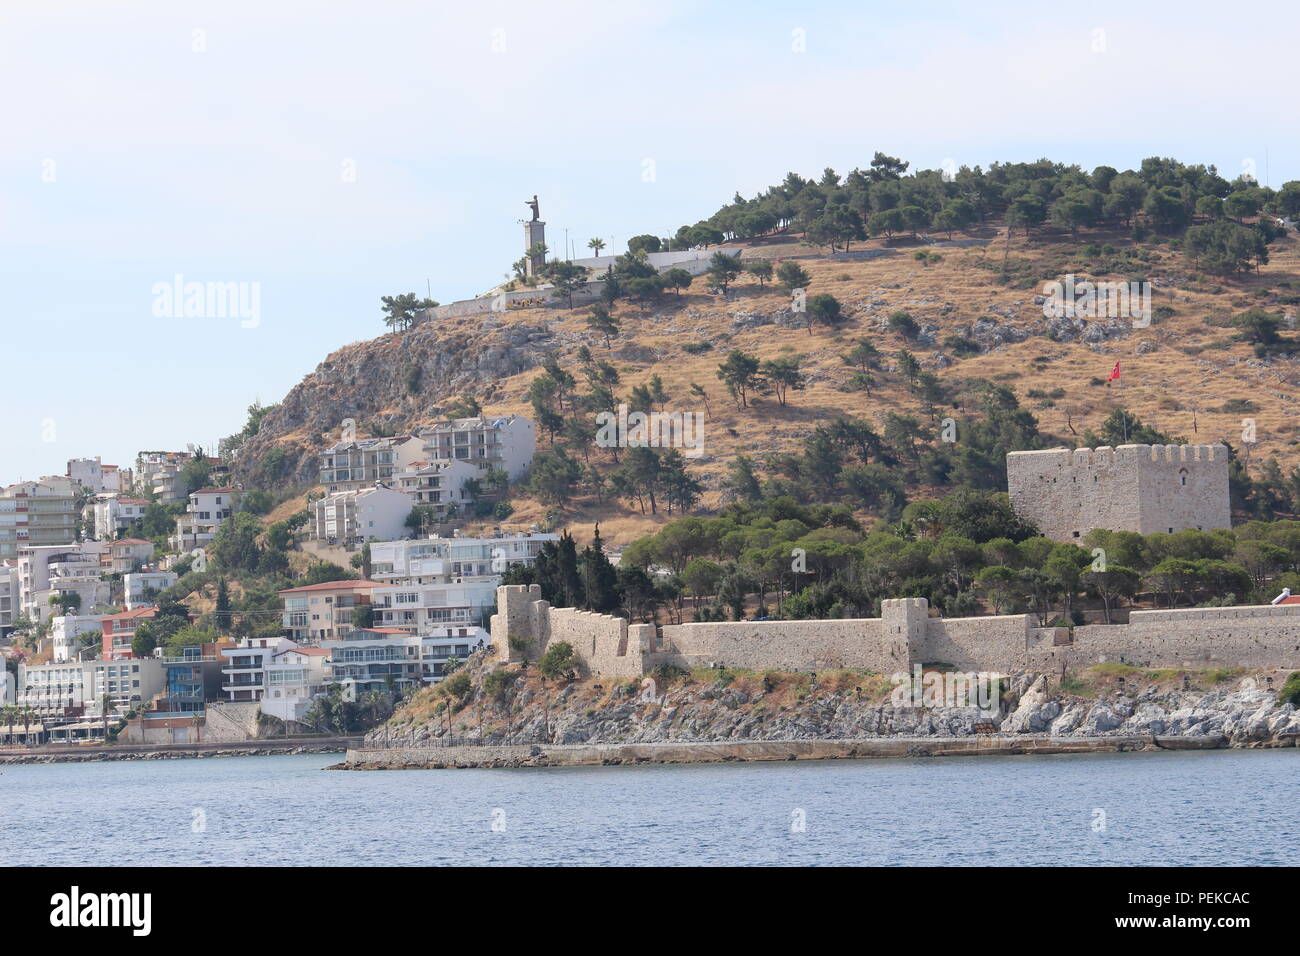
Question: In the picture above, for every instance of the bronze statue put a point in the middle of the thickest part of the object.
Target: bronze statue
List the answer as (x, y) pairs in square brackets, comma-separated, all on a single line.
[(532, 204)]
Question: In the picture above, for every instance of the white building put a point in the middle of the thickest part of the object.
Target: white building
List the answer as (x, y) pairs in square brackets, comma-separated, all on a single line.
[(50, 570), (139, 586), (359, 463), (66, 634), (245, 672), (79, 687), (37, 513), (207, 510), (10, 601), (505, 442), (430, 584), (114, 514), (440, 485), (349, 518), (124, 555), (96, 477), (389, 659), (292, 678)]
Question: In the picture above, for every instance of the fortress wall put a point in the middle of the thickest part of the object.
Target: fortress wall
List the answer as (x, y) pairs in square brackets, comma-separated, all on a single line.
[(781, 645), (979, 643)]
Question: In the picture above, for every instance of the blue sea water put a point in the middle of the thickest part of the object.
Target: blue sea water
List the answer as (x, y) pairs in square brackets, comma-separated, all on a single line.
[(1206, 808)]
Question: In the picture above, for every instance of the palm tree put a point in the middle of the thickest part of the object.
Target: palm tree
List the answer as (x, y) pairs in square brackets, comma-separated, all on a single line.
[(28, 714), (105, 704), (595, 245)]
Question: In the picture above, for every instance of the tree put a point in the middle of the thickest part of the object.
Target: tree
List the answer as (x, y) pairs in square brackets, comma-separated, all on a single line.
[(599, 578), (677, 279), (760, 269), (1115, 582), (603, 323), (723, 270), (595, 245), (740, 374), (557, 661), (823, 308), (782, 375), (791, 276), (401, 311), (643, 243), (566, 279), (235, 545), (553, 475)]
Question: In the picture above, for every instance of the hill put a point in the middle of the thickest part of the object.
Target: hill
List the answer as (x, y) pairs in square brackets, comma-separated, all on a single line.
[(1188, 374)]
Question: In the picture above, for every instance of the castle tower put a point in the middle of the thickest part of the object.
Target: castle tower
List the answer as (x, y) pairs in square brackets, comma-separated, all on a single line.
[(904, 625), (1142, 488)]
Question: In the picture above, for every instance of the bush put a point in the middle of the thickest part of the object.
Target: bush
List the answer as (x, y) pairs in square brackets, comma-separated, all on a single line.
[(1290, 692), (557, 661)]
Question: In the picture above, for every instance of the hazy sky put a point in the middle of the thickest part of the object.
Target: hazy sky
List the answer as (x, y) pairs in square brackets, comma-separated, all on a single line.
[(331, 153)]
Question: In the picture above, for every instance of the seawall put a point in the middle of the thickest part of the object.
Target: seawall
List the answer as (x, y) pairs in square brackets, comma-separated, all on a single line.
[(595, 755)]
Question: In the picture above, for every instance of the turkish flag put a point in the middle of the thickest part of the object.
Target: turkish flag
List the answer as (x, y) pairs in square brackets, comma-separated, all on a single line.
[(1114, 373)]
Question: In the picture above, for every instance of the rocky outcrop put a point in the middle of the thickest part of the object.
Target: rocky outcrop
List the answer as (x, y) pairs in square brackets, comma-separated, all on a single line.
[(394, 383)]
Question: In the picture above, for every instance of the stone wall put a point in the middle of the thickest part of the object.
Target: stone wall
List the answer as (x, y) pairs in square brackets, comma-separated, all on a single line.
[(1142, 488), (1251, 637)]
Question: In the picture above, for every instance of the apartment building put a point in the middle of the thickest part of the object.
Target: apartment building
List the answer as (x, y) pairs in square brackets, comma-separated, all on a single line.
[(10, 606), (505, 442), (126, 555), (55, 570), (111, 515), (208, 508), (440, 485), (36, 513), (78, 688), (244, 674), (349, 518), (294, 677), (96, 477), (320, 612), (139, 587), (192, 677), (118, 631), (360, 463), (65, 634)]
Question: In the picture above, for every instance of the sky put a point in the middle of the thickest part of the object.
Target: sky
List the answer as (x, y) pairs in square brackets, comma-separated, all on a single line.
[(321, 154)]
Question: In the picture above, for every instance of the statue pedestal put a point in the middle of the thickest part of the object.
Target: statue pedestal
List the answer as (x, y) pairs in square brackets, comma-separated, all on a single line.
[(534, 233)]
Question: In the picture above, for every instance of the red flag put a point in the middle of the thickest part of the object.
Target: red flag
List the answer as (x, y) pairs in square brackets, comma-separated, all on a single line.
[(1114, 373)]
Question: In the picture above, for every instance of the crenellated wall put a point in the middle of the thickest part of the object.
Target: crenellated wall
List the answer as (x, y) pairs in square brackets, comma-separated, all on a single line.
[(904, 635)]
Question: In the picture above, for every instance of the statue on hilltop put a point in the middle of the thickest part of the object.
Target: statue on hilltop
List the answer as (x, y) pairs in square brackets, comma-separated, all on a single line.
[(532, 204)]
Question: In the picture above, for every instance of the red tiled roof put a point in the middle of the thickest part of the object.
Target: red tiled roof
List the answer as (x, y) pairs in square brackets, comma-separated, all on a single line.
[(130, 541), (137, 612), (213, 491), (332, 586)]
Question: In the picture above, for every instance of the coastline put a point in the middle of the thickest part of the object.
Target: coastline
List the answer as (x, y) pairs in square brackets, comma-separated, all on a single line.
[(677, 752), (112, 752)]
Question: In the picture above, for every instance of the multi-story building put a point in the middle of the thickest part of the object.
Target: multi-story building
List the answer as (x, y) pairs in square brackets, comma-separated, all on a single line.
[(158, 473), (207, 510), (440, 485), (10, 601), (114, 514), (293, 677), (349, 518), (140, 587), (56, 570), (126, 555), (505, 442), (66, 631), (192, 677), (78, 688), (36, 513), (245, 669), (118, 631), (96, 477), (391, 659), (320, 612), (359, 463)]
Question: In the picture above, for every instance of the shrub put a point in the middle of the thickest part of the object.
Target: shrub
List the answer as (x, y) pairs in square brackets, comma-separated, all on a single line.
[(557, 660), (1290, 692)]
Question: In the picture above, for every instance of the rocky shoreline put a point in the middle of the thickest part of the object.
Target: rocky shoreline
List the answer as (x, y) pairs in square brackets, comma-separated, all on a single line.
[(844, 714), (110, 753)]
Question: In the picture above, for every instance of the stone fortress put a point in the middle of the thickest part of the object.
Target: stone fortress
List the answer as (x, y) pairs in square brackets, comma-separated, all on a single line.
[(1141, 488)]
